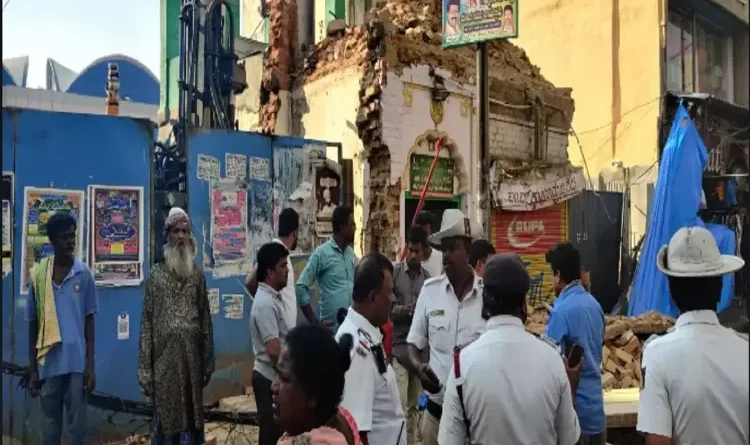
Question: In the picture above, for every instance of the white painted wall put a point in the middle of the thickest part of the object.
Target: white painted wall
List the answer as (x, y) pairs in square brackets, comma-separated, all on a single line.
[(406, 116), (326, 110), (38, 99)]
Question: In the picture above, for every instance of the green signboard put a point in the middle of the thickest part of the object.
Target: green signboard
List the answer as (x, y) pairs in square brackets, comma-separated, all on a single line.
[(473, 21), (441, 183)]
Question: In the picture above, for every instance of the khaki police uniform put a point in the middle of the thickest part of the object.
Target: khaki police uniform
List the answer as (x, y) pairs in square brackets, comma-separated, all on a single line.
[(696, 383), (370, 390), (442, 323), (515, 390)]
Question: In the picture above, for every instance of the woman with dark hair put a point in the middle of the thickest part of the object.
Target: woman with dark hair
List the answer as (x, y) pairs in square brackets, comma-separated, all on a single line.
[(309, 386)]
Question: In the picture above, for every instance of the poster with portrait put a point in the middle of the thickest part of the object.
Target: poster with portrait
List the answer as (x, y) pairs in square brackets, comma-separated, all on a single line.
[(327, 198), (38, 207), (473, 21), (116, 234)]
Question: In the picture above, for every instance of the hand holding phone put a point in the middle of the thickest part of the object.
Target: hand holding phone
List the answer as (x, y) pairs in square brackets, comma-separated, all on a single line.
[(575, 355)]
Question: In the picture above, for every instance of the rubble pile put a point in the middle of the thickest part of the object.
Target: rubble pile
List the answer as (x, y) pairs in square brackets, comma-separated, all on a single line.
[(621, 361), (621, 353), (346, 48), (413, 31)]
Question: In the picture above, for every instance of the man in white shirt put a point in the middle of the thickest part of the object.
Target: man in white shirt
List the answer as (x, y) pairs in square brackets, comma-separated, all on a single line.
[(433, 258), (288, 229), (370, 388), (695, 378), (510, 386), (448, 314)]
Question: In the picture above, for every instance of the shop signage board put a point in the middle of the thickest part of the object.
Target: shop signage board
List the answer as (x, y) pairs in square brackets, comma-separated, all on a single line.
[(526, 195), (531, 235), (441, 183), (474, 21)]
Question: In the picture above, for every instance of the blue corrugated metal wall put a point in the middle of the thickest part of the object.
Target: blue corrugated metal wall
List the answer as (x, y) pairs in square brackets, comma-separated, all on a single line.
[(73, 151)]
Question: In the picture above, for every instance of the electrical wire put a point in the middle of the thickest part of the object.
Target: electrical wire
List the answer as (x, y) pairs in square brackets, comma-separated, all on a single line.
[(637, 107), (117, 405)]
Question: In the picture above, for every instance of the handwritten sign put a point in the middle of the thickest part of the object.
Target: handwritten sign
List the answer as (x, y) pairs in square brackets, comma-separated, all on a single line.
[(236, 165), (259, 169), (213, 300), (233, 306), (208, 168)]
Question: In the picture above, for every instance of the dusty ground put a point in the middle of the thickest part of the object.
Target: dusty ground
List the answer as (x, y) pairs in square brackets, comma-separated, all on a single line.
[(217, 433)]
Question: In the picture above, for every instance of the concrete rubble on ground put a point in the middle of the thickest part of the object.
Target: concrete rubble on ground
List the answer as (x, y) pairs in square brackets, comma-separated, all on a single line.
[(621, 353)]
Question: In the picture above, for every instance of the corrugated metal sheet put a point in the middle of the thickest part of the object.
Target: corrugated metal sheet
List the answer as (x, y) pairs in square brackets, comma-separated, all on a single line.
[(531, 235), (595, 227)]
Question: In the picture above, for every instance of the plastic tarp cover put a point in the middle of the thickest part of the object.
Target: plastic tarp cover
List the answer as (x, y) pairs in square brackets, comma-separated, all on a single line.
[(727, 242), (676, 202)]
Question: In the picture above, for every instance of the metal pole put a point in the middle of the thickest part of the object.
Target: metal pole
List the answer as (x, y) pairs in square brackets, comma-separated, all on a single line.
[(484, 132)]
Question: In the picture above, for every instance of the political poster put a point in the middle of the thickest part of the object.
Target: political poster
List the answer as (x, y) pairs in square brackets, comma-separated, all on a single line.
[(229, 239), (474, 21), (116, 234), (38, 207)]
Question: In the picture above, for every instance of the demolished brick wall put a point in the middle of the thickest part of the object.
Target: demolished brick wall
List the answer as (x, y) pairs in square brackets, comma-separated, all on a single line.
[(381, 231), (279, 69), (405, 33)]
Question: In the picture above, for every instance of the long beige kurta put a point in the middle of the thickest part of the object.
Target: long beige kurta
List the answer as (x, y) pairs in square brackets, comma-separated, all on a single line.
[(177, 348)]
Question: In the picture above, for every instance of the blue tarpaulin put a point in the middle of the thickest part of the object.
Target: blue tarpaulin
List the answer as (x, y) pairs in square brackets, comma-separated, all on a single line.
[(676, 202)]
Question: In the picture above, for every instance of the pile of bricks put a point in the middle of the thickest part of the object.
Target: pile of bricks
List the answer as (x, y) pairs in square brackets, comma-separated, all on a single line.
[(621, 361), (621, 353)]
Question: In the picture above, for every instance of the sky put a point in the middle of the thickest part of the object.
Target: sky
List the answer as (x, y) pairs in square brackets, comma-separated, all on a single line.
[(77, 32)]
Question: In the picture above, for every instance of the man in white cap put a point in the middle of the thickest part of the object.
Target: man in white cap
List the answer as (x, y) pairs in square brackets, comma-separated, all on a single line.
[(695, 379), (447, 316), (177, 348)]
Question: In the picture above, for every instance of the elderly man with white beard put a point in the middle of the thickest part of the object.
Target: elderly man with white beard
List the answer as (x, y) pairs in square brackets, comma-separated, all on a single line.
[(177, 348)]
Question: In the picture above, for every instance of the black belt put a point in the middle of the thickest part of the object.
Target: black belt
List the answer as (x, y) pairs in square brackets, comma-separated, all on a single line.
[(434, 409)]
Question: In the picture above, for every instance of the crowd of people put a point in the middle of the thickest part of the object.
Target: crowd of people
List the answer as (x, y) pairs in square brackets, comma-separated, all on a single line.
[(447, 321)]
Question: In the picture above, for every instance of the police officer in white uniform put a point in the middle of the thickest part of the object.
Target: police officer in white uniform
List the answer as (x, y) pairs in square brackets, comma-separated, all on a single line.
[(695, 379), (447, 316), (509, 386), (370, 390)]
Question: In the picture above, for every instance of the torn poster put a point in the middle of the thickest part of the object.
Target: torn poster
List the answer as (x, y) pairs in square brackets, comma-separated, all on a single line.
[(38, 206), (260, 169), (236, 166), (116, 234), (6, 194), (7, 245), (229, 240), (208, 168), (234, 306), (213, 300)]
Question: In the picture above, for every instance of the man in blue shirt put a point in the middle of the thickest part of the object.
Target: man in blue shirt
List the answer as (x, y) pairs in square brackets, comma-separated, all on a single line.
[(576, 317), (60, 310), (331, 266)]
